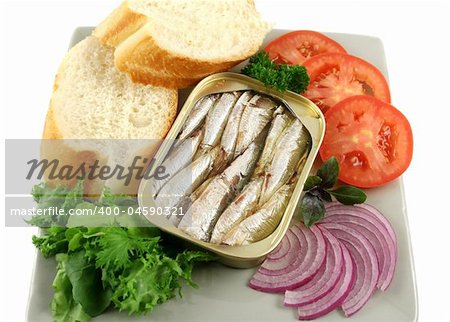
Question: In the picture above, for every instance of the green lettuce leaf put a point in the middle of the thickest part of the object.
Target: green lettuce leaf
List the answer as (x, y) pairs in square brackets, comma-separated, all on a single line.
[(87, 287), (146, 283), (64, 307), (106, 261), (57, 197), (119, 200), (52, 242), (118, 248), (187, 261)]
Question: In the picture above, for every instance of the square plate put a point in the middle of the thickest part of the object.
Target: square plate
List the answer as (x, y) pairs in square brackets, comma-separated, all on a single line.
[(223, 294)]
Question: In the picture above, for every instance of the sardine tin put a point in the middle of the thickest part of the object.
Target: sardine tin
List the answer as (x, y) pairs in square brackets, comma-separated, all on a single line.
[(302, 108)]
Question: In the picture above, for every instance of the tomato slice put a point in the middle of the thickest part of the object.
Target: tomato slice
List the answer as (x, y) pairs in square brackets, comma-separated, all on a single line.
[(372, 141), (295, 47), (334, 77)]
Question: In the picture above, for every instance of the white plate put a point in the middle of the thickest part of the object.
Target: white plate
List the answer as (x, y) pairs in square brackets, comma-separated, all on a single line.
[(223, 294)]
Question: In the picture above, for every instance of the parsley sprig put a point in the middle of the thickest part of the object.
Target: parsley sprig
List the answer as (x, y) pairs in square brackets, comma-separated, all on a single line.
[(282, 77)]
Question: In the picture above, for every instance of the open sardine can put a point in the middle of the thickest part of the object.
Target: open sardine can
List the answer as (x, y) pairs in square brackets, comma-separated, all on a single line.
[(308, 113)]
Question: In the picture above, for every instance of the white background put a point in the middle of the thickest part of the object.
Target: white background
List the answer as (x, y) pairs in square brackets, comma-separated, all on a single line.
[(35, 36)]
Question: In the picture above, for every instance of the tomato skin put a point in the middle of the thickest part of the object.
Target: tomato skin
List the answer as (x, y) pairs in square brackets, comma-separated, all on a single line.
[(335, 77), (297, 46), (371, 139)]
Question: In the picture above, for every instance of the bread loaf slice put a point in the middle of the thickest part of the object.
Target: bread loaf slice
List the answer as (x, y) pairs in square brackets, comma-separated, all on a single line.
[(100, 114), (178, 42)]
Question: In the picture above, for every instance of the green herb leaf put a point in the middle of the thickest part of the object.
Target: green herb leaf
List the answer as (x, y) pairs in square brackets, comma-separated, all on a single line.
[(73, 197), (153, 280), (311, 182), (93, 215), (187, 259), (43, 221), (329, 172), (87, 287), (348, 195), (74, 236), (322, 194), (47, 197), (121, 200), (64, 307), (44, 194), (325, 196), (312, 208), (52, 242), (117, 248), (294, 76), (282, 77), (146, 283)]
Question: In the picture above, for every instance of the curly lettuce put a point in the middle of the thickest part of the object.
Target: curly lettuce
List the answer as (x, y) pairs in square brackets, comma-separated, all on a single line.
[(113, 265)]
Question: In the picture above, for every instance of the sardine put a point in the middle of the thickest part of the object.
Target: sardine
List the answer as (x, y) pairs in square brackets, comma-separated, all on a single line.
[(257, 114), (279, 123), (178, 158), (230, 134), (205, 210), (200, 151), (201, 217), (218, 163), (197, 115), (198, 192), (243, 166), (186, 180), (263, 222), (216, 119), (290, 148), (187, 202), (241, 207)]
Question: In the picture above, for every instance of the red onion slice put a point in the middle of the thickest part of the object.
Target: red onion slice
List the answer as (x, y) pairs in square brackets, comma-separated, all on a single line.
[(376, 233), (283, 247), (281, 274), (369, 211), (336, 296), (278, 267), (325, 279), (297, 251), (366, 261)]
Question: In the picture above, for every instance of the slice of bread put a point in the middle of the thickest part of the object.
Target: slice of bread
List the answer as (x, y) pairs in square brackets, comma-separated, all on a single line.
[(163, 41), (141, 74), (102, 115)]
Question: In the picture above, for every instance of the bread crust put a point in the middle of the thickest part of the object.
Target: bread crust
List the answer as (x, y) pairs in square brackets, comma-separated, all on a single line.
[(141, 49), (136, 50), (51, 130), (150, 77), (119, 25)]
